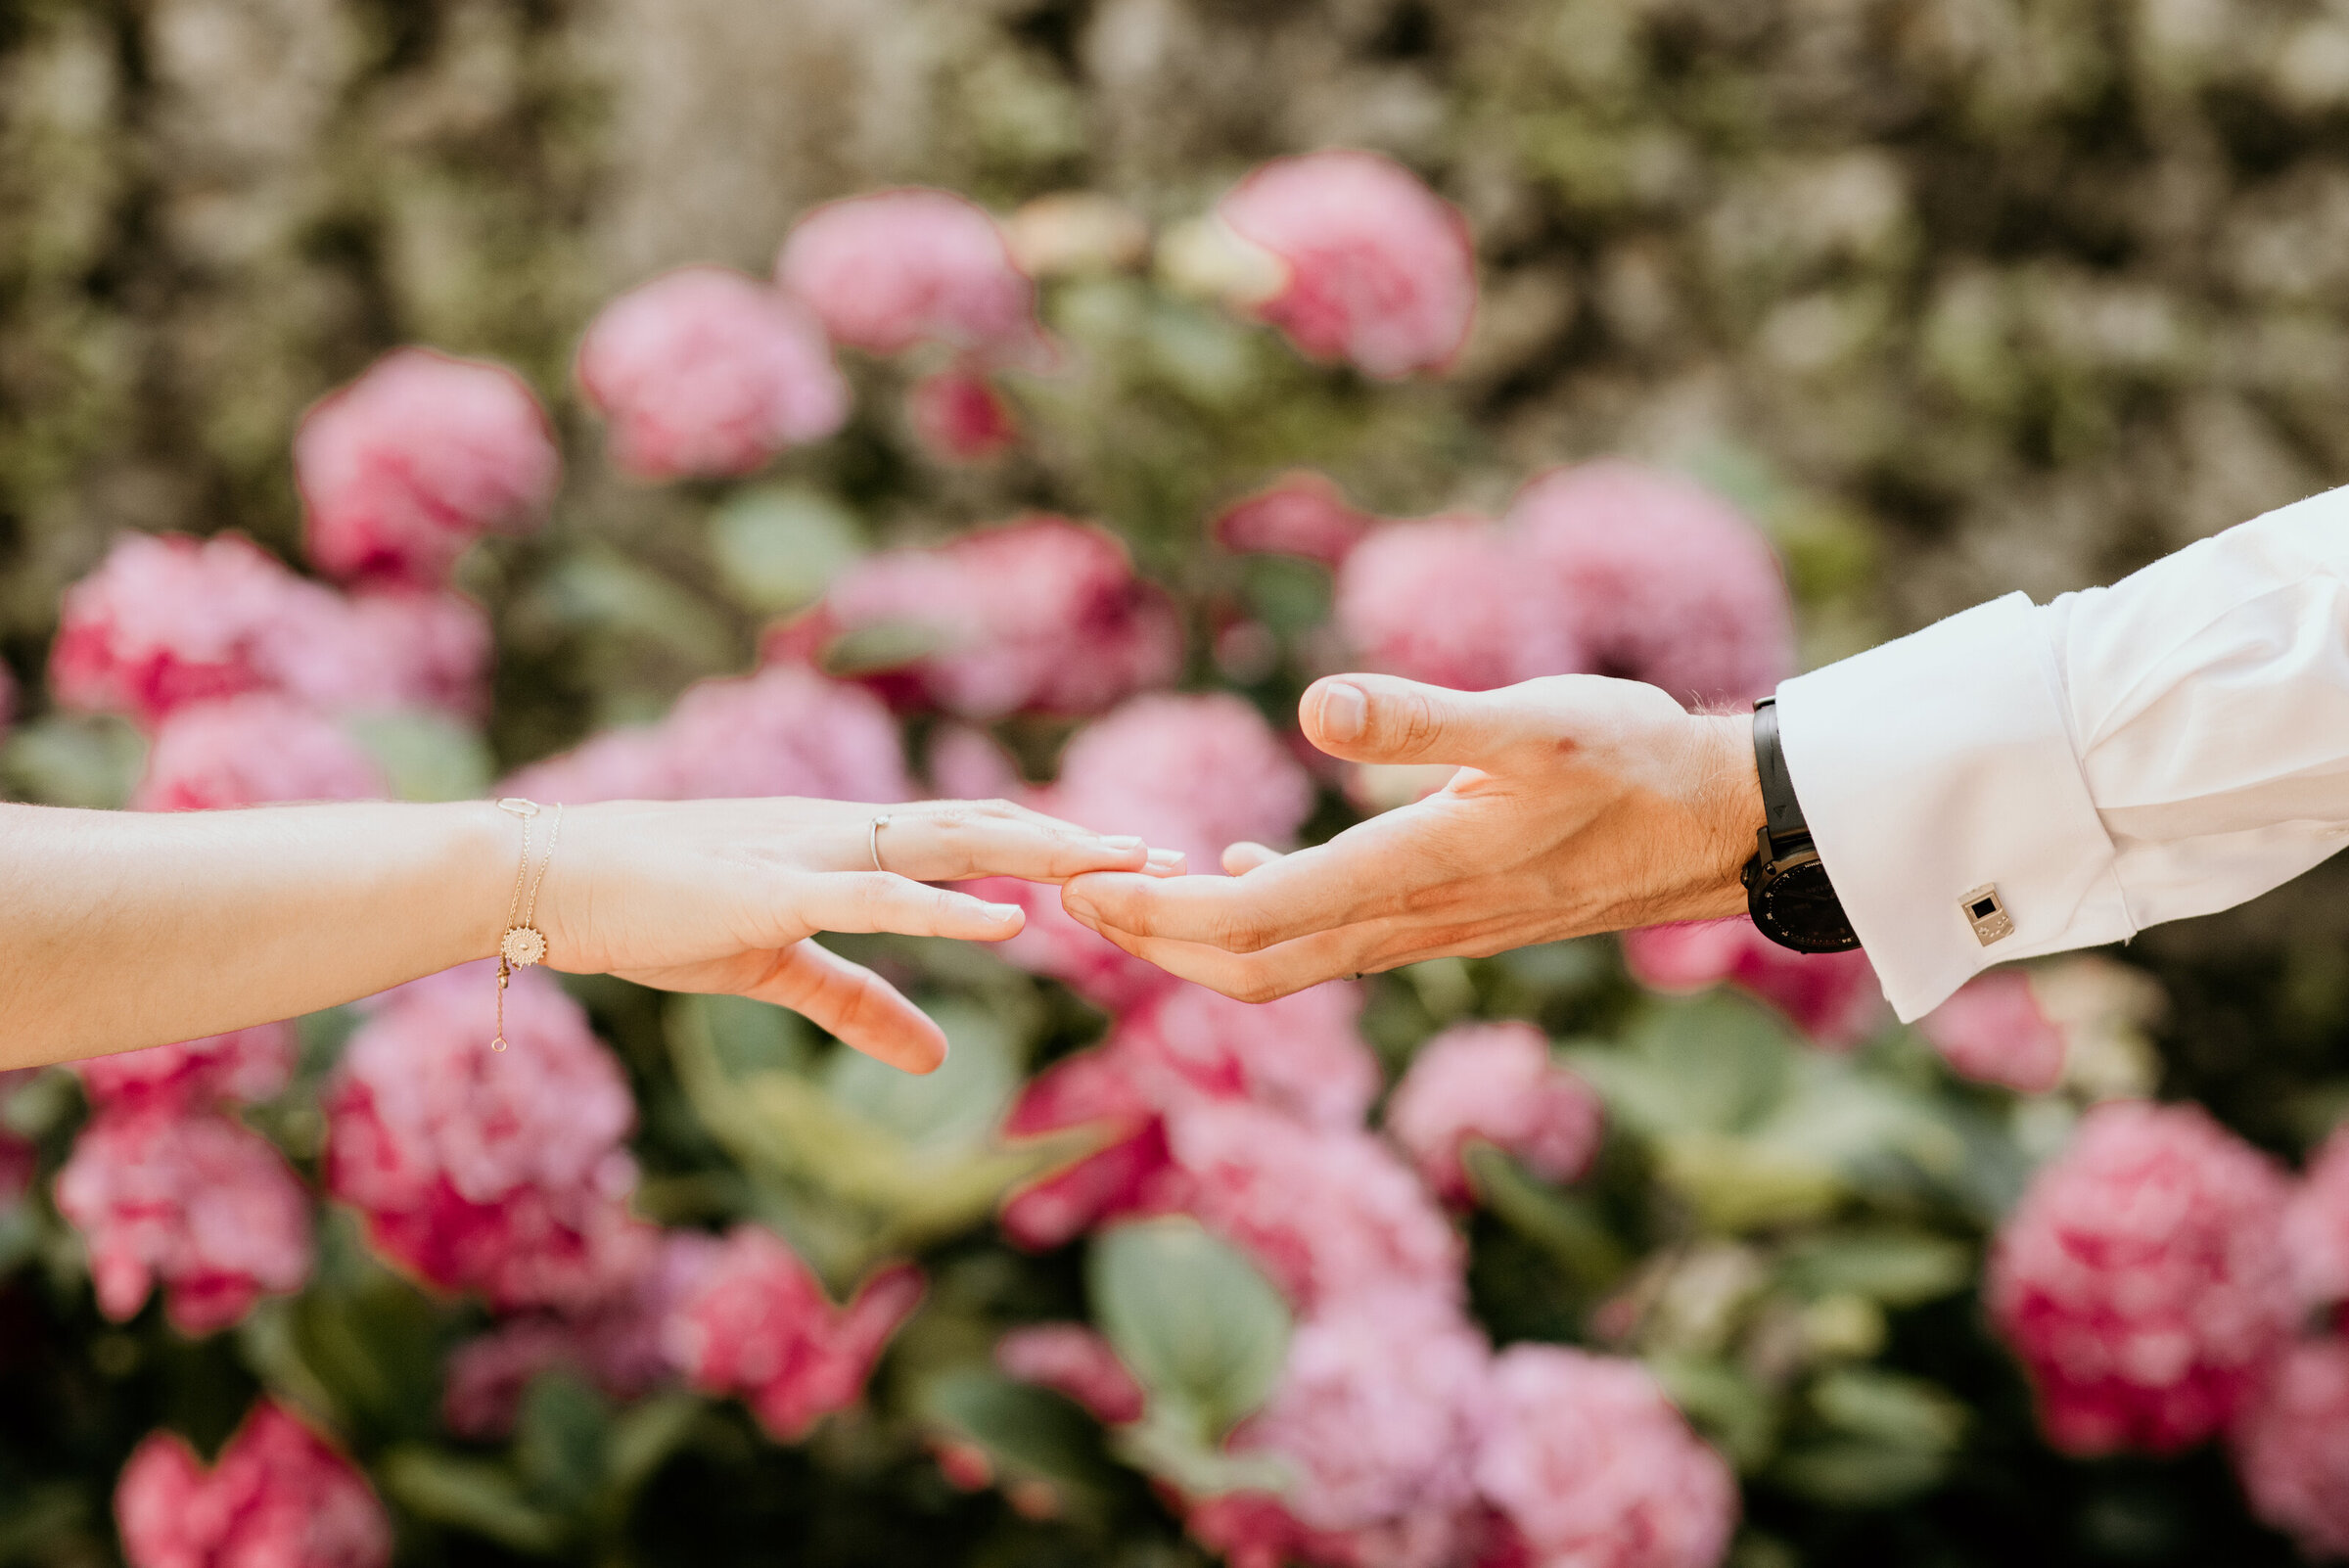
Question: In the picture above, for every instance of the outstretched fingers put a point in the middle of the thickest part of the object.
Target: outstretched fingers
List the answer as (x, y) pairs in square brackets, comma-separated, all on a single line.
[(882, 900), (955, 841), (851, 1001)]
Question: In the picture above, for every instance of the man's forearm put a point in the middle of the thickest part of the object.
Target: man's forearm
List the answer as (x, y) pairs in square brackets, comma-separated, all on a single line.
[(230, 918)]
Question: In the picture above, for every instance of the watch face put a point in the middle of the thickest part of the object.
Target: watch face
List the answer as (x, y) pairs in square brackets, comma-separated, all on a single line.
[(1798, 908)]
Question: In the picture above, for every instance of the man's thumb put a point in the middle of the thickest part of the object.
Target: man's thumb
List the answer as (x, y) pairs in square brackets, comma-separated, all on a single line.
[(1382, 718)]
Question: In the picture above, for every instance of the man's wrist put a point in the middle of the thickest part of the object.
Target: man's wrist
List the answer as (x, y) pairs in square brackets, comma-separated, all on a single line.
[(1729, 810)]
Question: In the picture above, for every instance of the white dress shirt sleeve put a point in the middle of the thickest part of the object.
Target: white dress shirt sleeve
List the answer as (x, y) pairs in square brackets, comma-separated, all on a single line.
[(2169, 745)]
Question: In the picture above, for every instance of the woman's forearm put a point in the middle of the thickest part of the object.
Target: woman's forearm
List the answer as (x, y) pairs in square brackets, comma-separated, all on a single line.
[(120, 929)]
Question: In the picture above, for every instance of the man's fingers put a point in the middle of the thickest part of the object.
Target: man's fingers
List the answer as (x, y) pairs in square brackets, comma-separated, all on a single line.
[(851, 1001), (1385, 718), (1280, 898), (1243, 857), (876, 901), (1259, 977)]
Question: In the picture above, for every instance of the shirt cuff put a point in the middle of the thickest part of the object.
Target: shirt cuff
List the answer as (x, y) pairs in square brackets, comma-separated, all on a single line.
[(1934, 765)]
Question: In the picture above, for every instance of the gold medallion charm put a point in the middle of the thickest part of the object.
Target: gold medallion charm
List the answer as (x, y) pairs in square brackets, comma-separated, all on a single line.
[(522, 946)]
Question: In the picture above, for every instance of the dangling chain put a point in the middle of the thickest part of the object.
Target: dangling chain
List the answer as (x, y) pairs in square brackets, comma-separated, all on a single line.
[(523, 944)]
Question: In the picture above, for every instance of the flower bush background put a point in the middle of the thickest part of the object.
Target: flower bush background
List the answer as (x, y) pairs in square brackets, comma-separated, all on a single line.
[(677, 398)]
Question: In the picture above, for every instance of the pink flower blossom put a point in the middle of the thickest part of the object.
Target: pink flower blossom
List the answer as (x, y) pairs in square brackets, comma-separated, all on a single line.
[(1593, 1467), (1496, 1082), (1378, 1411), (893, 268), (617, 1345), (1662, 580), (959, 417), (1253, 1529), (405, 467), (1302, 1055), (2316, 1224), (1043, 614), (499, 1171), (1452, 601), (2143, 1279), (280, 1497), (1993, 1030), (1834, 997), (2289, 1452), (757, 1323), (707, 372), (1380, 271), (169, 620), (245, 1065), (255, 750), (1073, 1359), (1095, 1088), (191, 1200), (1326, 1212), (785, 730), (1301, 513)]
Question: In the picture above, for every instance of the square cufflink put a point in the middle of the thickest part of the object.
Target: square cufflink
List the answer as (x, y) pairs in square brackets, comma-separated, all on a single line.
[(1987, 914)]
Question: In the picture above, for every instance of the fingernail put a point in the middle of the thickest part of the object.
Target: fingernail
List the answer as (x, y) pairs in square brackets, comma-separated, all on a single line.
[(1167, 858), (1122, 840), (1078, 904), (1002, 913), (1344, 711)]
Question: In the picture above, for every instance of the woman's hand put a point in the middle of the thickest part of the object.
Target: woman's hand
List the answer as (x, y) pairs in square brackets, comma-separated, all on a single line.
[(721, 895)]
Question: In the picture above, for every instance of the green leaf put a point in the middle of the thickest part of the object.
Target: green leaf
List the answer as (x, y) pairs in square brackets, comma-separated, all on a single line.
[(956, 1107), (1844, 1473), (1025, 1429), (1735, 1412), (1716, 1064), (642, 1438), (1202, 1328), (1890, 1408), (1896, 1267), (64, 760), (750, 1035), (1562, 1224), (597, 588), (1738, 1184), (780, 546), (880, 645), (371, 1340), (426, 757), (558, 1438), (472, 1495)]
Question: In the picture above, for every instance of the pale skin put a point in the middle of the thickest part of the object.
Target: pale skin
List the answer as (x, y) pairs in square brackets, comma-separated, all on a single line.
[(1582, 804), (120, 929)]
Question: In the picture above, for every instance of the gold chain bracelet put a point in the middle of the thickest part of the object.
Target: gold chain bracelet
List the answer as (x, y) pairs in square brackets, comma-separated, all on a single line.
[(523, 944)]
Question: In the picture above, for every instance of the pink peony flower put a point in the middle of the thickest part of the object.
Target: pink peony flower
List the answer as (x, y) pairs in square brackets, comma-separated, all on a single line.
[(167, 620), (2316, 1224), (707, 372), (759, 1324), (405, 467), (505, 1172), (1379, 270), (1493, 1081), (1301, 513), (1252, 1530), (959, 417), (245, 1065), (2289, 1452), (893, 268), (1095, 1088), (390, 647), (1994, 1030), (280, 1497), (191, 1200), (785, 730), (1593, 1469), (1834, 997), (1326, 1212), (1452, 601), (618, 1346), (2143, 1279), (1073, 1359), (1041, 614), (1378, 1413), (1662, 580), (255, 750)]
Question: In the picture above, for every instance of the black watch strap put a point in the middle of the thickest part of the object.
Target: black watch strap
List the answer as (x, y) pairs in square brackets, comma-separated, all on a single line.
[(1779, 808)]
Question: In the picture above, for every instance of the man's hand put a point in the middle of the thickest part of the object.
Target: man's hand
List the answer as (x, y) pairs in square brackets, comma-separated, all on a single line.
[(1582, 804)]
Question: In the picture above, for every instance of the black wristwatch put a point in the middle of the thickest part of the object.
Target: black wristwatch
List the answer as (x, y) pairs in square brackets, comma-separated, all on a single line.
[(1787, 888)]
